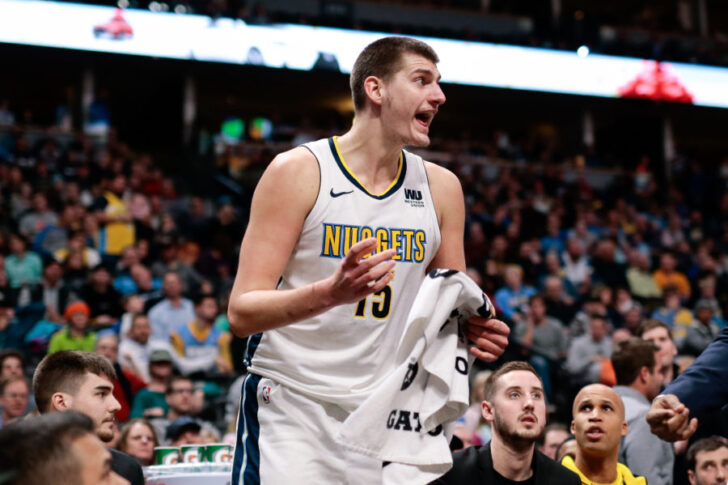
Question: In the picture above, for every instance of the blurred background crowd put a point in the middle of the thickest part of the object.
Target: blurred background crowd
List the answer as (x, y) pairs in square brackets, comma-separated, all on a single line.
[(120, 242)]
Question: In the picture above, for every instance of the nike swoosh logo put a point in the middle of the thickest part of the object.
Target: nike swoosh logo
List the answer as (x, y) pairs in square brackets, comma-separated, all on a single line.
[(339, 194)]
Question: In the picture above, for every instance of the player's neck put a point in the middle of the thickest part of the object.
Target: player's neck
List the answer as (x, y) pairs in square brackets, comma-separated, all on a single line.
[(512, 460), (597, 469), (368, 147)]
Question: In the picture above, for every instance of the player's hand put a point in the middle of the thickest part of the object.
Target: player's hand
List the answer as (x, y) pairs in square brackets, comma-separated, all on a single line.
[(490, 337), (357, 276), (670, 419)]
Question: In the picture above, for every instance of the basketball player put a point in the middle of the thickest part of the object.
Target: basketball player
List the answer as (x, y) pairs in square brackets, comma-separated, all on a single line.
[(342, 232)]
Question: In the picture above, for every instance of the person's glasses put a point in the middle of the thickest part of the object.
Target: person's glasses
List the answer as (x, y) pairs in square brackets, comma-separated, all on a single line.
[(182, 391), (142, 438)]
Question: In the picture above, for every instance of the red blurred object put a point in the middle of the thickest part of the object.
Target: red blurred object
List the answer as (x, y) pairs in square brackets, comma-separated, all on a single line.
[(656, 82), (116, 28)]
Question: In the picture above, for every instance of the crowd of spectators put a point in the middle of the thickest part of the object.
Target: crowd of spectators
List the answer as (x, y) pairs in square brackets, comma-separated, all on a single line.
[(100, 251)]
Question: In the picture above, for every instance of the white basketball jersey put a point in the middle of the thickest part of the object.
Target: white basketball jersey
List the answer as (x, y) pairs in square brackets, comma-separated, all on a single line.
[(340, 355)]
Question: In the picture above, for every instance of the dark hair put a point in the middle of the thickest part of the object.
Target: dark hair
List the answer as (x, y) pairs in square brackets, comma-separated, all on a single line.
[(35, 451), (382, 58), (598, 316), (136, 316), (48, 262), (536, 296), (201, 297), (630, 357), (64, 372), (489, 387), (172, 380), (651, 323), (9, 380), (561, 446), (552, 427), (8, 353), (711, 443)]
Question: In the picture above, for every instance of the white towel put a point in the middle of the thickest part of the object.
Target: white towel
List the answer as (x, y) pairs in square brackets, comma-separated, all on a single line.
[(408, 419)]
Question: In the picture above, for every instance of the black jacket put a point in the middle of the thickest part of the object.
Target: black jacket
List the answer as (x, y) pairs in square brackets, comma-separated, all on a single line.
[(474, 465), (126, 466)]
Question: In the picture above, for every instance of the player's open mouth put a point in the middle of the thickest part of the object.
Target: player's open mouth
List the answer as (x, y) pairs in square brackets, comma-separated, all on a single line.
[(424, 119), (594, 433), (528, 419)]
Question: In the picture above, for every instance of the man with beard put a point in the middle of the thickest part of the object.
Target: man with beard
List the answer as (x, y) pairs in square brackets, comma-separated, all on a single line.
[(515, 408), (708, 461), (598, 426), (83, 381)]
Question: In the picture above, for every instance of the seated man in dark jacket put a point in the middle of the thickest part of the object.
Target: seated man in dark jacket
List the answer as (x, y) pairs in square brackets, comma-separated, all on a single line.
[(515, 408)]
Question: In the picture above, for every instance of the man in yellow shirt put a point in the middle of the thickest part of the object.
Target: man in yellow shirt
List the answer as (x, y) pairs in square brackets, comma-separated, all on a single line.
[(667, 275), (598, 425)]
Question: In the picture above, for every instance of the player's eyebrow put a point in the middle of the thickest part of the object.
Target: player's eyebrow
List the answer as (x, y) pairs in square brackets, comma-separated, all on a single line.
[(430, 72)]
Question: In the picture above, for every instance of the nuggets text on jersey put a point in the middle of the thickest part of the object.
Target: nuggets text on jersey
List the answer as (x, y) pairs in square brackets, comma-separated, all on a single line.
[(409, 244)]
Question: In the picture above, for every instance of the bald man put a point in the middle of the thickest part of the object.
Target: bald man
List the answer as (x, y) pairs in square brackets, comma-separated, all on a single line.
[(598, 425)]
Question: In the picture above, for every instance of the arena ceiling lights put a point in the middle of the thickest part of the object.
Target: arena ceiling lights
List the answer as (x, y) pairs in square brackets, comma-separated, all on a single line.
[(197, 37)]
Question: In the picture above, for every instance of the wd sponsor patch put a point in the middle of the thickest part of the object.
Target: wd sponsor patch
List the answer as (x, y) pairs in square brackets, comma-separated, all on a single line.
[(413, 198)]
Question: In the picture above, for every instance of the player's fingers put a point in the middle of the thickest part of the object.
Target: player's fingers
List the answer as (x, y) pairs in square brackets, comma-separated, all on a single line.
[(360, 249), (491, 324), (485, 356), (379, 284), (476, 334), (366, 265), (669, 401), (656, 417), (692, 427), (370, 278), (492, 344), (677, 423)]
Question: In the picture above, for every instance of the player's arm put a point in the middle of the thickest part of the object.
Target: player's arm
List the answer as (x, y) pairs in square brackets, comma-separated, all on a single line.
[(284, 196), (490, 336)]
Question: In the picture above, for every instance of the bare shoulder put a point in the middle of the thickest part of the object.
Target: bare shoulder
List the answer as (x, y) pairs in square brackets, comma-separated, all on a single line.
[(440, 176), (285, 194), (296, 162), (444, 186), (293, 174)]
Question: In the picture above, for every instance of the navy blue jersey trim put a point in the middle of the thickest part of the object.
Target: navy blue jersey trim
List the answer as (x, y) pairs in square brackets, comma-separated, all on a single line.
[(355, 182), (246, 463)]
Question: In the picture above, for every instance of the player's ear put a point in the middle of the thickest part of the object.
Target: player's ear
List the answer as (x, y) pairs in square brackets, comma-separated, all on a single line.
[(691, 477), (572, 427), (624, 428), (487, 411), (644, 373), (60, 401), (374, 89)]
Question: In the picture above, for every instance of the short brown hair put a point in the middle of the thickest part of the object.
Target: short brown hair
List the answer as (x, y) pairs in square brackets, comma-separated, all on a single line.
[(489, 388), (64, 372), (630, 356), (172, 380), (35, 451), (382, 58), (651, 323), (711, 443)]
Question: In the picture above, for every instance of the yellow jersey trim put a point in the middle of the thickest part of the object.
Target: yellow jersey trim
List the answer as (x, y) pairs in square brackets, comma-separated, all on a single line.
[(353, 176)]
